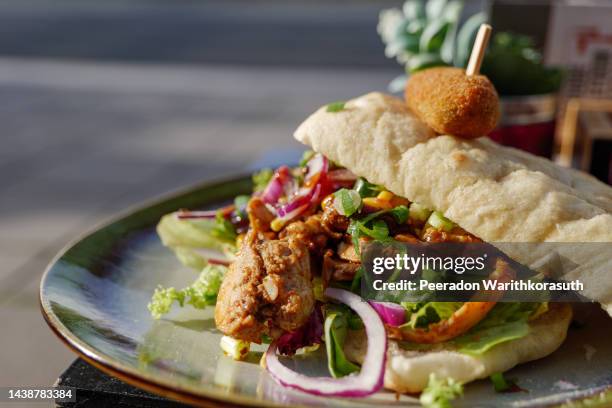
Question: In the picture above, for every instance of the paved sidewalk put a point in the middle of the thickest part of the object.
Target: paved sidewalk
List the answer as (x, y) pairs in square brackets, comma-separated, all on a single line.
[(82, 141)]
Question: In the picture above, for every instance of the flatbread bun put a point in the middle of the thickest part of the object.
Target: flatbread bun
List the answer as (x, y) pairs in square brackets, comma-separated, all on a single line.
[(499, 194), (408, 371)]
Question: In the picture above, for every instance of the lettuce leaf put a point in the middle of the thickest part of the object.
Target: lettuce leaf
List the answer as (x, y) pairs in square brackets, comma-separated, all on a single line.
[(505, 322), (192, 239), (422, 315), (201, 293), (335, 328)]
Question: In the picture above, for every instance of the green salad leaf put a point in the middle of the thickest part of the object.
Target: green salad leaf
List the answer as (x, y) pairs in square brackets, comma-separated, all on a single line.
[(224, 230), (505, 322), (187, 237), (335, 328), (439, 393), (422, 315), (201, 293)]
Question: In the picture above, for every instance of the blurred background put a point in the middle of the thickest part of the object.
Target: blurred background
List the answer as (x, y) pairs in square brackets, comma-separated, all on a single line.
[(106, 104)]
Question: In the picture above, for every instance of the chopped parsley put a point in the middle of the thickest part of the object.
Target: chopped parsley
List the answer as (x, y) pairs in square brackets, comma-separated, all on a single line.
[(336, 106)]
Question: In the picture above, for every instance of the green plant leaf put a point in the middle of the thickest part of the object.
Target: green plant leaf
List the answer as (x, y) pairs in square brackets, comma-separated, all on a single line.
[(398, 84), (452, 14), (435, 8), (422, 61), (466, 37), (414, 9), (433, 36)]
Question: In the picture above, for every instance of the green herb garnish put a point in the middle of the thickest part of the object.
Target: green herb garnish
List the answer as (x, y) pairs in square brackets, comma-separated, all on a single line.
[(335, 106), (366, 189), (346, 201)]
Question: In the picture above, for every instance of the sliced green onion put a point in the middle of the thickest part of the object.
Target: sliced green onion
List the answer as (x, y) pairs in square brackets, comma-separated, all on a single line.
[(335, 106), (400, 213), (438, 221), (500, 383), (236, 349), (366, 189), (346, 201), (379, 230), (418, 212)]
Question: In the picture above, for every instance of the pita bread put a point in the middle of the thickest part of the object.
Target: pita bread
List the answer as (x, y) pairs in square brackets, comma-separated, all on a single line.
[(497, 193), (408, 371)]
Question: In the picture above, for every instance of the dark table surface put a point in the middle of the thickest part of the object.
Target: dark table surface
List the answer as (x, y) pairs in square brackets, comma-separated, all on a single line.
[(97, 389)]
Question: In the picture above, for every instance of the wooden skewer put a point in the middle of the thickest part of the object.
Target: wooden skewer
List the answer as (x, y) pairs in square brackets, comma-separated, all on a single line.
[(480, 45)]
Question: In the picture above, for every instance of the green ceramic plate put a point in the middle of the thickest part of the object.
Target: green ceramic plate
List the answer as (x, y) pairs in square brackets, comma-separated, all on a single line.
[(95, 295)]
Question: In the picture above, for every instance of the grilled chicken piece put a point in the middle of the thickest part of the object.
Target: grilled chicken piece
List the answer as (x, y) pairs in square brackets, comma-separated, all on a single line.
[(259, 215), (267, 290), (332, 220), (310, 232), (338, 269), (457, 235), (347, 252)]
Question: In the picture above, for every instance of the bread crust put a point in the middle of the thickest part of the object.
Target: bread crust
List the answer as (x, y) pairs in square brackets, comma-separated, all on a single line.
[(408, 371)]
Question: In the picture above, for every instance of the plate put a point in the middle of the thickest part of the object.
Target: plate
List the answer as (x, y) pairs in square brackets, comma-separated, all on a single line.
[(94, 296)]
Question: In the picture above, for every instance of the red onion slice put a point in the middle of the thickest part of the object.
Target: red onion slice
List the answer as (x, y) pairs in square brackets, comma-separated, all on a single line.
[(370, 377), (192, 215), (390, 313), (276, 187), (303, 200), (213, 256), (317, 168)]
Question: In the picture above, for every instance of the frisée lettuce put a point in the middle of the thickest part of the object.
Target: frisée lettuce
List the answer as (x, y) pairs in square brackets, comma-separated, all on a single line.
[(201, 293)]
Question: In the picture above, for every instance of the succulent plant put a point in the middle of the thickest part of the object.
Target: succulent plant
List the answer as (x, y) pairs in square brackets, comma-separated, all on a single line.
[(424, 34)]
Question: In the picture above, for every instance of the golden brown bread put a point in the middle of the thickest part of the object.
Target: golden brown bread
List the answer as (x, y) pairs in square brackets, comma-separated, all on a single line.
[(453, 103)]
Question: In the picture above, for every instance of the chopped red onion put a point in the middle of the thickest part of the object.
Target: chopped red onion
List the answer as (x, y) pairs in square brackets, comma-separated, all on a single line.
[(390, 313), (190, 215), (317, 166), (276, 187), (309, 334)]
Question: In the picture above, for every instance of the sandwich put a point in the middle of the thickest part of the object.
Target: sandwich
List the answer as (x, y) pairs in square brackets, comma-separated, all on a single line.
[(282, 265)]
